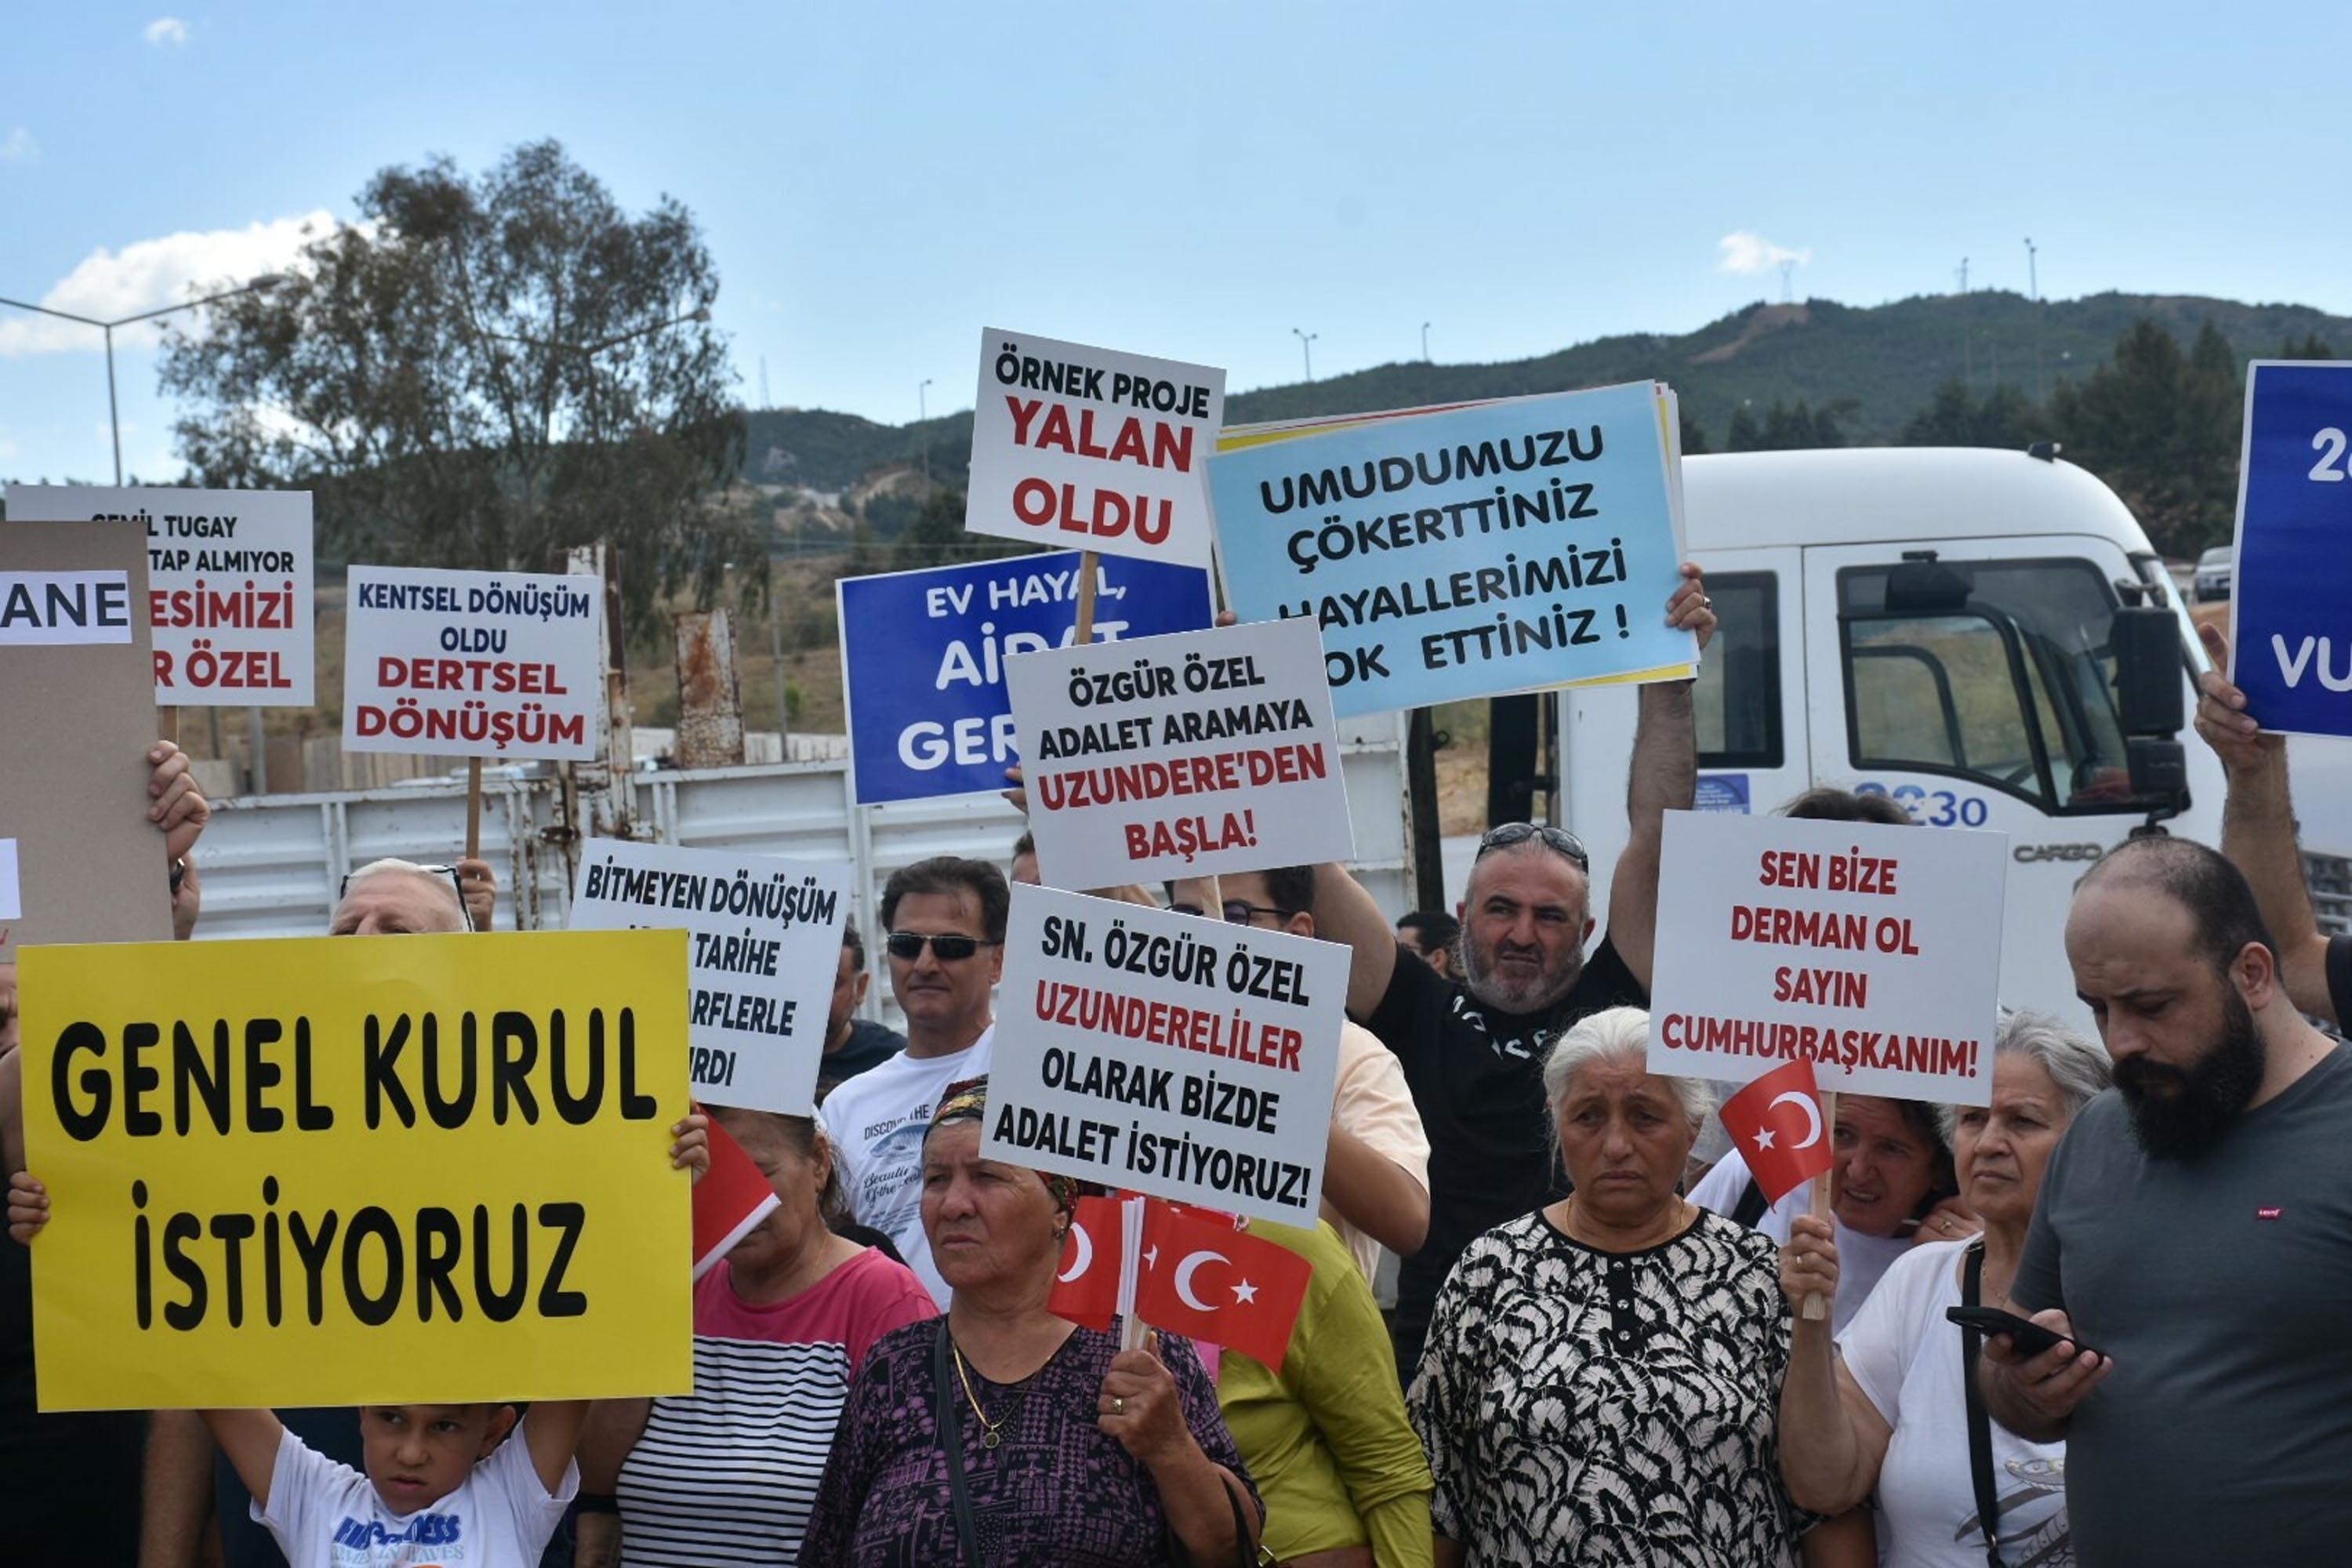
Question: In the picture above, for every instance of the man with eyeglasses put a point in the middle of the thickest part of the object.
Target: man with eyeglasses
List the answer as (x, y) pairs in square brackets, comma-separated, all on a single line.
[(945, 920), (1474, 1046), (1376, 1163)]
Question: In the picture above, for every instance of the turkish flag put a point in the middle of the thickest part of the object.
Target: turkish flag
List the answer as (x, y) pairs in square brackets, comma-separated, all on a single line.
[(733, 1196), (1086, 1285), (1776, 1124), (1206, 1279)]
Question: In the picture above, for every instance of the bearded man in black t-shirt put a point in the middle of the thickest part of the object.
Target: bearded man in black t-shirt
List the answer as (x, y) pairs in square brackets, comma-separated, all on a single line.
[(1473, 1050)]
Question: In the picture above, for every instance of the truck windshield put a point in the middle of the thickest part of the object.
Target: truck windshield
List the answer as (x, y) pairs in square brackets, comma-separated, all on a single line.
[(1997, 671)]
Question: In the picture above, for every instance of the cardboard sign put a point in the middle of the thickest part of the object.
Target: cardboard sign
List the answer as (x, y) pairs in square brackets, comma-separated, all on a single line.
[(1485, 550), (229, 585), (77, 696), (12, 902), (473, 664), (923, 656), (1166, 1054), (766, 942), (1181, 756), (2291, 651), (1873, 951), (349, 1170), (1088, 448)]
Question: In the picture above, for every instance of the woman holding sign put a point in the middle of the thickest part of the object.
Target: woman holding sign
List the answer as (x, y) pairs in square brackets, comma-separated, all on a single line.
[(1601, 1378), (1007, 1435), (1892, 1413)]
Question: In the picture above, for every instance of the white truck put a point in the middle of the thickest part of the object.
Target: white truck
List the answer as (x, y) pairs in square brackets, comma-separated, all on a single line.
[(1939, 626)]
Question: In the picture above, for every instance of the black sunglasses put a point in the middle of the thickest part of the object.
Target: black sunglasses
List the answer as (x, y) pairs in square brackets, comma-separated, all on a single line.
[(1558, 838), (456, 882), (947, 948)]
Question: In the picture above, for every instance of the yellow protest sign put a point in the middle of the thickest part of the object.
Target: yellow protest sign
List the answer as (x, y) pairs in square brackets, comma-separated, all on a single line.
[(339, 1171)]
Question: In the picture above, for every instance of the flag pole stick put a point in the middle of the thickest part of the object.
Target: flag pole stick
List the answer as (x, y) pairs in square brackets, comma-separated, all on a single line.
[(1816, 1308), (1086, 597)]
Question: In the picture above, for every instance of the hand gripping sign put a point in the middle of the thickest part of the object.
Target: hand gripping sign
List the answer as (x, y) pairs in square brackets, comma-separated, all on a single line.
[(229, 585), (499, 665), (348, 1170), (1089, 449), (1181, 756), (1871, 950), (1164, 1053)]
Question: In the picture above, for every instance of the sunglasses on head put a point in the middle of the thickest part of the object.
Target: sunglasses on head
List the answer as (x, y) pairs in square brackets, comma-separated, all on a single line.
[(1556, 838), (456, 884), (949, 947)]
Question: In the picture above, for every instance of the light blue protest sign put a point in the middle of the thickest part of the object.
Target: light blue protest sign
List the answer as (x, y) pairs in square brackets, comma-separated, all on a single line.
[(2291, 638), (923, 653), (1485, 550)]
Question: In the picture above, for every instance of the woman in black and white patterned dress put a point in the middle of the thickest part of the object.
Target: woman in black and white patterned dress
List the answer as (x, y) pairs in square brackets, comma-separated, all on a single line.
[(1601, 1377)]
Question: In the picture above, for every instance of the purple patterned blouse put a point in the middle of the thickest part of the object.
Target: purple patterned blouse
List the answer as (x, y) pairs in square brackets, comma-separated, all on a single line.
[(1058, 1493)]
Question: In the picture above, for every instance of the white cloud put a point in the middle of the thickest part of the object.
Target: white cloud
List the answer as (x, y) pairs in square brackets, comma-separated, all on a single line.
[(1747, 251), (149, 274), (165, 30), (19, 147)]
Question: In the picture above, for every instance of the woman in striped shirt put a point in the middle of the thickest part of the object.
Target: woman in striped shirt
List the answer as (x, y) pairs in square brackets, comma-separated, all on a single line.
[(727, 1474)]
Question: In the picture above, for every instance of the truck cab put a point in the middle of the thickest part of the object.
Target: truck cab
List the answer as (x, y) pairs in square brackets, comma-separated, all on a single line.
[(1938, 625)]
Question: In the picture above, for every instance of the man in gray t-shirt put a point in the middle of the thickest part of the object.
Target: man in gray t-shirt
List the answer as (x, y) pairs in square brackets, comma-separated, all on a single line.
[(2196, 1226)]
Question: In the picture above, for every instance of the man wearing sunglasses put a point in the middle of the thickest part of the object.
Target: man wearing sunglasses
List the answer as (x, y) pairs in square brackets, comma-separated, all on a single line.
[(1474, 1046), (945, 920)]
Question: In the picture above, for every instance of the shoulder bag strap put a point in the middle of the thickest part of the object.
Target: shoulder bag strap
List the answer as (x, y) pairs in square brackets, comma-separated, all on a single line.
[(1980, 1425), (950, 1422), (1750, 1207)]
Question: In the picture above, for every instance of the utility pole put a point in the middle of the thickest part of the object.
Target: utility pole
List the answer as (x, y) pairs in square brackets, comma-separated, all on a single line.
[(922, 415), (1306, 350), (764, 402), (1967, 342), (1424, 342), (2034, 287)]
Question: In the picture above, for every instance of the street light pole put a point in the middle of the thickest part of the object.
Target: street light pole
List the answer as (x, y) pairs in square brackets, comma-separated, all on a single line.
[(113, 415), (1424, 342), (1306, 350), (2033, 287)]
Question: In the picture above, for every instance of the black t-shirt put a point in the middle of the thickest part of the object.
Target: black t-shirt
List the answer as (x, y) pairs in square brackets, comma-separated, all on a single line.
[(2339, 980), (1476, 1076), (868, 1047), (69, 1481)]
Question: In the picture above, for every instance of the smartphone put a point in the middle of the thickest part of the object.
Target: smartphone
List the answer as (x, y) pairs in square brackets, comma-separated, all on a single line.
[(2030, 1337)]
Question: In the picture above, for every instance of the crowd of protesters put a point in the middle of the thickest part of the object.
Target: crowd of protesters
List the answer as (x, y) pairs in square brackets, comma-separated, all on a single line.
[(1593, 1356)]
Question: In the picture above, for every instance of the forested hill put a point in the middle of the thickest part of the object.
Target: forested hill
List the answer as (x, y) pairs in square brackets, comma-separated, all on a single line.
[(1878, 366)]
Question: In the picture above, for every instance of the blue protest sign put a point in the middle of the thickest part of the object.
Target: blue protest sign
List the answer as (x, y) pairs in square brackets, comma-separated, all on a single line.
[(2291, 640), (923, 653), (1484, 550)]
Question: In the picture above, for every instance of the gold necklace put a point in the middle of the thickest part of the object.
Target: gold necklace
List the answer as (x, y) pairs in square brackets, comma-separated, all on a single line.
[(988, 1430)]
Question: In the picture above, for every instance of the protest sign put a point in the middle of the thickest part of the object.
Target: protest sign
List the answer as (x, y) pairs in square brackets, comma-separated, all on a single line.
[(12, 903), (766, 942), (473, 664), (1089, 449), (923, 653), (78, 705), (228, 580), (1489, 549), (1181, 756), (1166, 1054), (1873, 951), (2291, 651), (348, 1170)]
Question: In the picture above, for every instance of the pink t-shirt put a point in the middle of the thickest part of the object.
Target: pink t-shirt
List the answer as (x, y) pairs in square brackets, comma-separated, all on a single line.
[(732, 1468)]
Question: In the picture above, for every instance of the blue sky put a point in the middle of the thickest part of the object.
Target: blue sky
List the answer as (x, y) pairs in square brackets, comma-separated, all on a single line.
[(878, 182)]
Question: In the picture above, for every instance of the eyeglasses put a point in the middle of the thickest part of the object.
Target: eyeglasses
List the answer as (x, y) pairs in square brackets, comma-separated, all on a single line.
[(1239, 910), (948, 947), (456, 885), (1557, 838)]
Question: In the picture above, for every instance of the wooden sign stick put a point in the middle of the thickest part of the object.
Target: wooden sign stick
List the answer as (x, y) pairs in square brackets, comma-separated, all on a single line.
[(1086, 595), (1816, 1308), (474, 808)]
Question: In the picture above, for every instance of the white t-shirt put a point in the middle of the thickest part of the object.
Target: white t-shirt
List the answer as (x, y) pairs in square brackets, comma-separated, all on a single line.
[(1905, 1355), (1861, 1259), (326, 1515), (876, 1122), (1371, 1102)]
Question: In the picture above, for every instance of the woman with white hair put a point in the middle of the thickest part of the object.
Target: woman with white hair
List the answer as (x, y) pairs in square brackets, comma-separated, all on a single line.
[(1892, 1414), (1601, 1377)]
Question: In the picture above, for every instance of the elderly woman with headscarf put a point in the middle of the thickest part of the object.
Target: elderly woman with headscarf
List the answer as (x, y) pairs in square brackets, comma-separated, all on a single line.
[(1602, 1377), (1891, 1414), (1005, 1436)]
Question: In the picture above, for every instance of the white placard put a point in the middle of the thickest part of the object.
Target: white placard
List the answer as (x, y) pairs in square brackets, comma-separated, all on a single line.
[(500, 665), (12, 903), (1188, 755), (1874, 950), (229, 578), (1076, 447), (1166, 1053), (60, 609), (763, 948)]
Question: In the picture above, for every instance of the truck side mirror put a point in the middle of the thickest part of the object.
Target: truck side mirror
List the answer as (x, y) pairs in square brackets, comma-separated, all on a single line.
[(2145, 642)]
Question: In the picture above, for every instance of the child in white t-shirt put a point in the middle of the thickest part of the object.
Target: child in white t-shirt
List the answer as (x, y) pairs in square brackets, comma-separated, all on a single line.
[(443, 1485)]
